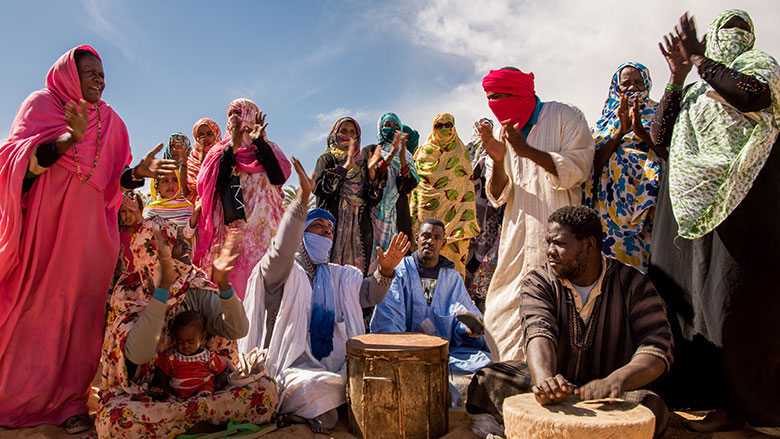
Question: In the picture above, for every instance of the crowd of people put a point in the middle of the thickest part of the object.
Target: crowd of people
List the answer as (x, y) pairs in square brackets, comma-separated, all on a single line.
[(612, 260)]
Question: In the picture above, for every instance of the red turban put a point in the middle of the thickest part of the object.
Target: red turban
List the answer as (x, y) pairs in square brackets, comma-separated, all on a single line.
[(521, 104)]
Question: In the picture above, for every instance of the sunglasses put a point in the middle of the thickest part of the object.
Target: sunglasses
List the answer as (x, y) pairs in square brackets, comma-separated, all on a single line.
[(439, 126)]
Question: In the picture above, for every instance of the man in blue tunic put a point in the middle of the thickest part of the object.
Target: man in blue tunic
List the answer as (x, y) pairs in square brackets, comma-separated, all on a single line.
[(428, 295)]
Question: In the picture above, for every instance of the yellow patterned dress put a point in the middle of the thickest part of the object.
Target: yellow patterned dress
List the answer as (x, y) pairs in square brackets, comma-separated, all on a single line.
[(446, 189)]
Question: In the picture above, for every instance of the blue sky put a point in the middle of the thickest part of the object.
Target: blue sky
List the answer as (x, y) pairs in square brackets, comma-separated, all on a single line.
[(307, 63)]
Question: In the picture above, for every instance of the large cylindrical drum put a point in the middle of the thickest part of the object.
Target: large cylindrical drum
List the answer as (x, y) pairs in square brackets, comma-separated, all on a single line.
[(397, 386), (524, 418)]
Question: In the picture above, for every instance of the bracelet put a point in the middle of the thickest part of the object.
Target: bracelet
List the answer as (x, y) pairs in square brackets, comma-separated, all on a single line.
[(674, 87), (132, 175)]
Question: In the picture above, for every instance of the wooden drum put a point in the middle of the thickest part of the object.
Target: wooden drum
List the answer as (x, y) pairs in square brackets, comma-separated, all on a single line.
[(397, 386), (524, 418)]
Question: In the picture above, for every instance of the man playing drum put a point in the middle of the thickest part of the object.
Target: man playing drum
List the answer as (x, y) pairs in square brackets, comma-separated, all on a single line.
[(593, 327), (303, 309), (428, 295)]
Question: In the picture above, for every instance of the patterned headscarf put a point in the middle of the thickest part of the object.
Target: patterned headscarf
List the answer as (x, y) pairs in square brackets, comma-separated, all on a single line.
[(716, 150), (725, 45), (177, 136), (475, 144), (352, 188), (608, 123), (214, 128), (176, 209), (197, 154)]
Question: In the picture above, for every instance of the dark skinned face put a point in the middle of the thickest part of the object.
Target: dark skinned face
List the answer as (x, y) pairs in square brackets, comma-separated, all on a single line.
[(91, 77), (348, 129), (205, 135), (494, 96), (189, 339), (737, 22), (630, 79), (566, 254), (430, 240)]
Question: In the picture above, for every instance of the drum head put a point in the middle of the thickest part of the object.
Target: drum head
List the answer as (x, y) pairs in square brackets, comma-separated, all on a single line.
[(395, 342)]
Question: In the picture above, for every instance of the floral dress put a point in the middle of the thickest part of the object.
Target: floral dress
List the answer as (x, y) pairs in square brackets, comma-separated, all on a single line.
[(124, 410)]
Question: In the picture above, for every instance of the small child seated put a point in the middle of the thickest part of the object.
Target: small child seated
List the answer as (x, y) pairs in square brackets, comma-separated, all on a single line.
[(189, 369)]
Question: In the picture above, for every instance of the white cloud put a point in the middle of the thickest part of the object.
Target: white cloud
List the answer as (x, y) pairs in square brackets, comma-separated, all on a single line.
[(102, 19), (571, 46), (317, 135)]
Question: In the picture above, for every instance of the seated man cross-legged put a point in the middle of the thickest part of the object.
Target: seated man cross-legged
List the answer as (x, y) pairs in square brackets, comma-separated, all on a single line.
[(304, 309), (593, 327), (428, 295)]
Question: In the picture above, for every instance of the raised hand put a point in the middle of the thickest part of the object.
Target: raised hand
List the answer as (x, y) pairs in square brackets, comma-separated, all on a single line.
[(624, 117), (514, 137), (388, 260), (402, 148), (258, 130), (77, 119), (553, 390), (349, 163), (679, 64), (151, 167), (495, 149), (396, 146), (236, 133), (305, 182), (167, 269), (195, 217), (223, 263), (636, 121), (689, 42), (373, 162)]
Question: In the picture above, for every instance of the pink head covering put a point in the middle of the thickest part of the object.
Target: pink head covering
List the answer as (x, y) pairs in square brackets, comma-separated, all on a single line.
[(39, 120), (521, 104), (245, 162)]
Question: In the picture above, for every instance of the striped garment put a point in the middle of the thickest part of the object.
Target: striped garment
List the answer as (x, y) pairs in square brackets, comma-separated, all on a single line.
[(190, 375), (177, 210), (627, 317)]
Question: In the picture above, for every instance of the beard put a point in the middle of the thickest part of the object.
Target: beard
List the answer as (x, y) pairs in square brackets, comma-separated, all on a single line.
[(571, 269)]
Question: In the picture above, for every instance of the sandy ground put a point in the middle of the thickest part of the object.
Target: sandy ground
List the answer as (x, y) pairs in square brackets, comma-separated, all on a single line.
[(458, 428)]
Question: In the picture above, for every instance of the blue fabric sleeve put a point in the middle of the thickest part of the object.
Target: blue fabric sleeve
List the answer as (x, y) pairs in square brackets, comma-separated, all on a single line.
[(161, 294), (390, 315)]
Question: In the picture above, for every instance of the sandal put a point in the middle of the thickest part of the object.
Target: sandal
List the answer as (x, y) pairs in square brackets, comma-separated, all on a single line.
[(77, 424)]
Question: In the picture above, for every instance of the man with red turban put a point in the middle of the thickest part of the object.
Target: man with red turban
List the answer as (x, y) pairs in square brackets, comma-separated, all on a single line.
[(543, 154)]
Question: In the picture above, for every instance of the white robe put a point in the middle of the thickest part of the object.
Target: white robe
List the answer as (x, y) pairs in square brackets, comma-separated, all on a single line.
[(531, 195), (308, 387)]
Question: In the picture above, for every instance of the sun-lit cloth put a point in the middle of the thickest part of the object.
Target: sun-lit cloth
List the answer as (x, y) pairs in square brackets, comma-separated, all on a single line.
[(348, 247), (717, 151), (446, 190), (625, 192), (384, 216), (531, 195), (176, 209), (197, 154), (406, 308), (520, 105), (180, 137), (123, 410), (262, 203), (308, 387), (58, 246)]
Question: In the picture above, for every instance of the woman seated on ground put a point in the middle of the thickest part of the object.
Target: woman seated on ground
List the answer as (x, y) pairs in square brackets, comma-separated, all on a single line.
[(139, 328), (347, 187)]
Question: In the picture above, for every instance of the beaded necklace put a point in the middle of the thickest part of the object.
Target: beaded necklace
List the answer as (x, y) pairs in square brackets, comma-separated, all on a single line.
[(97, 153)]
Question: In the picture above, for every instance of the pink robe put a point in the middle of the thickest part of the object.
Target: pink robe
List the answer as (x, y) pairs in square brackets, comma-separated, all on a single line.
[(58, 247)]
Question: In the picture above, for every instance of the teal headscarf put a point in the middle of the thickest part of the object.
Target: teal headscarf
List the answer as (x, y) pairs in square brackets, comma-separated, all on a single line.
[(716, 150), (413, 141), (167, 152), (386, 135)]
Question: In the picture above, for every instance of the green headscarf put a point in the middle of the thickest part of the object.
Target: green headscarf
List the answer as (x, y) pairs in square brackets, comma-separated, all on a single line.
[(716, 150)]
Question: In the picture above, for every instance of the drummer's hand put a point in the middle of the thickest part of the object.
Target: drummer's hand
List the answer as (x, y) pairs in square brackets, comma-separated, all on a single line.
[(553, 390), (609, 387)]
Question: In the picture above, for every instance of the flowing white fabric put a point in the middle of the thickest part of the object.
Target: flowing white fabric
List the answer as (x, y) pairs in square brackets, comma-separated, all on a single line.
[(307, 387), (531, 195)]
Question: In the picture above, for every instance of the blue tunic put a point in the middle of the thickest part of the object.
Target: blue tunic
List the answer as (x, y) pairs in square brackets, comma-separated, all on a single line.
[(405, 309)]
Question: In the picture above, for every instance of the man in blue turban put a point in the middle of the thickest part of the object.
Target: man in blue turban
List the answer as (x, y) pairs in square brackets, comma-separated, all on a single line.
[(304, 309)]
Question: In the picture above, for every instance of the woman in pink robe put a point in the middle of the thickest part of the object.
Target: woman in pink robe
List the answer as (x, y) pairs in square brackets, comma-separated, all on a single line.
[(58, 242)]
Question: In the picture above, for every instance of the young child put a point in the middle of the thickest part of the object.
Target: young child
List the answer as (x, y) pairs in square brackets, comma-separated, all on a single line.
[(189, 369)]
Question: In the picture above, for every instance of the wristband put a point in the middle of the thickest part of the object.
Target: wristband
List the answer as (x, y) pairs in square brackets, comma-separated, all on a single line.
[(674, 87), (161, 294), (224, 295)]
